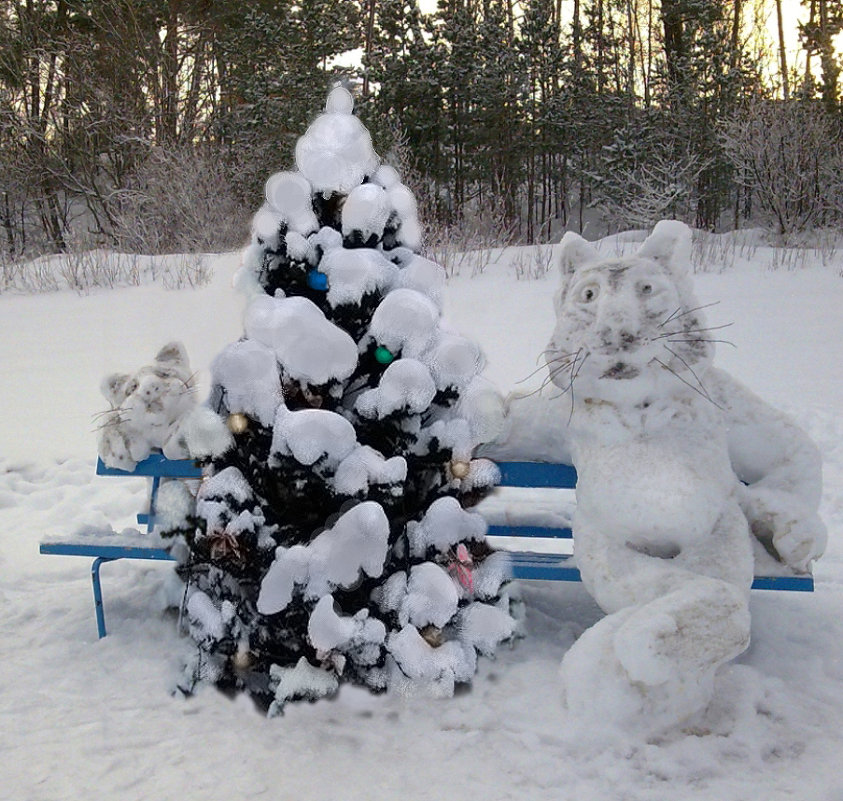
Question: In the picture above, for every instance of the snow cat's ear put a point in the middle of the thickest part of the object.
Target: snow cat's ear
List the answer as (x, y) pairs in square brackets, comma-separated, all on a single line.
[(113, 388), (574, 253), (173, 354), (670, 245)]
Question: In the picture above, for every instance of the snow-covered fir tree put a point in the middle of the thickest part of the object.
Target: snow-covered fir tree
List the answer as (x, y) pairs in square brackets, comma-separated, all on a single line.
[(330, 540)]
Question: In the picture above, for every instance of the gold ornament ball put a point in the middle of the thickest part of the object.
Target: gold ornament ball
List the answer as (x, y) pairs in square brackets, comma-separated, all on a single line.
[(237, 423), (459, 469), (242, 660), (433, 636)]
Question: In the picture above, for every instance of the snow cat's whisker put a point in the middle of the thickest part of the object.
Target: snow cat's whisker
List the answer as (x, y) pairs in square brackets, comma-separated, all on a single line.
[(561, 366), (552, 373), (188, 388), (701, 392), (569, 363), (538, 390), (558, 357), (701, 330), (97, 415), (676, 315), (685, 331), (672, 316), (110, 424), (691, 371), (576, 366), (570, 387), (119, 411), (566, 357), (704, 339)]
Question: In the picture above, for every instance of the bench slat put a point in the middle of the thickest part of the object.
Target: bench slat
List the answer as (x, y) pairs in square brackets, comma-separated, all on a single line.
[(543, 566), (156, 465), (530, 531), (787, 583), (98, 551), (558, 567), (537, 474)]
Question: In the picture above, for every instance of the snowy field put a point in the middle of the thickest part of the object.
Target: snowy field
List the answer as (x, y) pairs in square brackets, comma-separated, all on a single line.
[(82, 718)]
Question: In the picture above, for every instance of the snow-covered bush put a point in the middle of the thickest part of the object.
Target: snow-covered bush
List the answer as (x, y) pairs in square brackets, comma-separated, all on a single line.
[(788, 153)]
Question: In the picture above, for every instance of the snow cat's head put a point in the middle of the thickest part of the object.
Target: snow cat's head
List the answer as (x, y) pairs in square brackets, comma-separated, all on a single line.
[(629, 329)]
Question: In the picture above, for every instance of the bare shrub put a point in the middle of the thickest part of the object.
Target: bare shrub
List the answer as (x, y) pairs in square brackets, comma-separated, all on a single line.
[(470, 244), (712, 252), (788, 153), (79, 270), (533, 263), (9, 272), (84, 268), (187, 270), (37, 275), (178, 202), (790, 259), (828, 245)]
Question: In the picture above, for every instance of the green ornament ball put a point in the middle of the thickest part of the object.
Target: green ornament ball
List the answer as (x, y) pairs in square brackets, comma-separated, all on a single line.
[(383, 355)]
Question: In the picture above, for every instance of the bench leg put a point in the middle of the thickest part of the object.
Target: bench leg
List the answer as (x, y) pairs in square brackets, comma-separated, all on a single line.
[(98, 608)]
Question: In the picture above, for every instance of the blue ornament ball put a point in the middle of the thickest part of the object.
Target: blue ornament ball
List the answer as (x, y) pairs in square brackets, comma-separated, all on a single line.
[(317, 280)]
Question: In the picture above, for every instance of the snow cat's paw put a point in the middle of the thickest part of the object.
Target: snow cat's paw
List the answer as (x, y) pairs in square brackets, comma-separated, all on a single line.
[(641, 646), (799, 542), (788, 530)]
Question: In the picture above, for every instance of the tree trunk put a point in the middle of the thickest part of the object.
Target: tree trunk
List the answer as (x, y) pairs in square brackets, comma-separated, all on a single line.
[(809, 51), (782, 51), (8, 225), (169, 79), (631, 24), (577, 35), (649, 72), (601, 57), (736, 30), (829, 27), (370, 35), (674, 41)]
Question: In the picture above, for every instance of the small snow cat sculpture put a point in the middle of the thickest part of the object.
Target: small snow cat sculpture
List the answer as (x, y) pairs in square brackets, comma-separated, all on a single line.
[(678, 467), (146, 409)]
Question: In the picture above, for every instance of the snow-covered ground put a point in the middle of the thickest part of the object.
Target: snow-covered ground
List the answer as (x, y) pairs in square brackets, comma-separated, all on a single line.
[(81, 717)]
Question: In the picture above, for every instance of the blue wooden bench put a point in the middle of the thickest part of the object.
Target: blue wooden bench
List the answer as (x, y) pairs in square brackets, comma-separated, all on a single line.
[(526, 564), (531, 565), (155, 467)]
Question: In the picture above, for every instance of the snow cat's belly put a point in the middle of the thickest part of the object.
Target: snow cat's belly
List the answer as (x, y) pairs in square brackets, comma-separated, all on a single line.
[(646, 495)]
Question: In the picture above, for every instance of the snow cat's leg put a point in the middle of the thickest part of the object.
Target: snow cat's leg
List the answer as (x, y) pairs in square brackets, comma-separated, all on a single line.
[(650, 663)]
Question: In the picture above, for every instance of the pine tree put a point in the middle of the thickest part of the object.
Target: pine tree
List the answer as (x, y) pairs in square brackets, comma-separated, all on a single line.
[(330, 541)]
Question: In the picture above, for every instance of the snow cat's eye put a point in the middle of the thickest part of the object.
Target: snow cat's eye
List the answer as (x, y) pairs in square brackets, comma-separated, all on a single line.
[(588, 293), (645, 288)]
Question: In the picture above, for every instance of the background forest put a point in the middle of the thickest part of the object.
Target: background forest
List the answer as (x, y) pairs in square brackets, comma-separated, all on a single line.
[(149, 126)]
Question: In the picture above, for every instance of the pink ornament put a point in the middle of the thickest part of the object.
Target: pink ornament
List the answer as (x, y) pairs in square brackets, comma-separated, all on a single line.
[(461, 567)]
